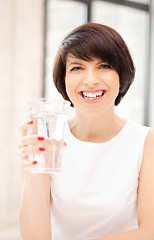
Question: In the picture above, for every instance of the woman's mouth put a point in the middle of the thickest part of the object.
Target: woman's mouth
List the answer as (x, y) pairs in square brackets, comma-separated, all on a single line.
[(92, 96)]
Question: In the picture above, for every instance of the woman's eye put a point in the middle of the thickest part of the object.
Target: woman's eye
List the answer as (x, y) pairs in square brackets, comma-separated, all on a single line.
[(105, 66), (75, 69)]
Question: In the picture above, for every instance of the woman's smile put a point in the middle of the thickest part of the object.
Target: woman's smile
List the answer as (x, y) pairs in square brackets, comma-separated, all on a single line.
[(92, 96)]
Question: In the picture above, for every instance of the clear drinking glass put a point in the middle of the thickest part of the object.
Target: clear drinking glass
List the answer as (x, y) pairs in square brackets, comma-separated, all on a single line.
[(49, 118)]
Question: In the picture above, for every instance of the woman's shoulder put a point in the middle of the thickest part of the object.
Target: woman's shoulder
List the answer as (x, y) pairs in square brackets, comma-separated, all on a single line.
[(146, 184), (148, 150), (150, 139)]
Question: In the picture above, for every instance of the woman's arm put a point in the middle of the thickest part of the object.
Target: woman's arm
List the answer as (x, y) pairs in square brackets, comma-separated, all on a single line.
[(136, 234), (145, 230), (34, 213)]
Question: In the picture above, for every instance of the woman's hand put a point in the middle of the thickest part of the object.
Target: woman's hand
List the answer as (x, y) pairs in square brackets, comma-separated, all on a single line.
[(30, 146)]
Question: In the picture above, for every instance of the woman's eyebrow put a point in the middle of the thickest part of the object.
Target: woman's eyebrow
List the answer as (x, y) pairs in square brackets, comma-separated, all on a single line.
[(101, 61), (72, 63)]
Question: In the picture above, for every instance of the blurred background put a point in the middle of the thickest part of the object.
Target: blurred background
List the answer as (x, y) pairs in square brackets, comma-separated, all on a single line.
[(30, 34)]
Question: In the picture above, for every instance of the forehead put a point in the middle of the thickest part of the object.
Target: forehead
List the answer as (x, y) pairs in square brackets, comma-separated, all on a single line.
[(70, 59)]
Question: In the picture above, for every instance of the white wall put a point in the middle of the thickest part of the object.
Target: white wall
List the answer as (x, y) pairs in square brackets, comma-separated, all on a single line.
[(151, 93), (21, 71)]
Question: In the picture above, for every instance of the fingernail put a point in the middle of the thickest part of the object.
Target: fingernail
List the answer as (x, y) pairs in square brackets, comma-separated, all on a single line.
[(40, 138), (30, 122), (35, 162), (42, 149), (65, 144)]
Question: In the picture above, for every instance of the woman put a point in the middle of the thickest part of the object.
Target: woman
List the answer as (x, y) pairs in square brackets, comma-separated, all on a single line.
[(106, 188)]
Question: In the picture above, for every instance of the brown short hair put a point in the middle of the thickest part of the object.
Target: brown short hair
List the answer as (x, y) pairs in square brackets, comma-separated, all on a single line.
[(99, 41)]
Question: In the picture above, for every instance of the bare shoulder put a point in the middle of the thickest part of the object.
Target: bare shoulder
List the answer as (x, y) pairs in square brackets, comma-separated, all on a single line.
[(149, 145), (146, 185), (148, 153), (150, 136)]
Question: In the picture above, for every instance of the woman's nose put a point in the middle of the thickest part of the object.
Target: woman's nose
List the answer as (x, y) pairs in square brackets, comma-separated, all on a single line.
[(90, 78)]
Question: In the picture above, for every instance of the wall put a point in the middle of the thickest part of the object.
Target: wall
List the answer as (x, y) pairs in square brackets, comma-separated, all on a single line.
[(151, 90), (21, 74)]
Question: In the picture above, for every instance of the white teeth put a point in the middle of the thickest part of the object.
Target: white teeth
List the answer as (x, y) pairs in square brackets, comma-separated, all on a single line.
[(92, 95)]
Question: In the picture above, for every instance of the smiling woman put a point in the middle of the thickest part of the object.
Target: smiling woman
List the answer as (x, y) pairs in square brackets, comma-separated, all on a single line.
[(106, 179)]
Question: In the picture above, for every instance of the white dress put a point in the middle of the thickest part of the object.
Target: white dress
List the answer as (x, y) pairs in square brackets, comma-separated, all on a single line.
[(95, 194)]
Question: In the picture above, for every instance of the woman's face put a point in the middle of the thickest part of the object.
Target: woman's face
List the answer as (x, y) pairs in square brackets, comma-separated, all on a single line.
[(92, 86)]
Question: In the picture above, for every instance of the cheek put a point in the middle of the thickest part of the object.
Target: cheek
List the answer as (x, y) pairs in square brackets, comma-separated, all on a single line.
[(116, 80), (69, 84), (114, 84), (113, 80), (116, 87)]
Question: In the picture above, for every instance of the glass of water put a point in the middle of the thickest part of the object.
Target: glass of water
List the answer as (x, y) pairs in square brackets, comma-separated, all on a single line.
[(49, 118)]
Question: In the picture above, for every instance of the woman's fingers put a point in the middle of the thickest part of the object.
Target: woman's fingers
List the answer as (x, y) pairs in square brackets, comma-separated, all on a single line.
[(39, 141), (30, 145), (30, 140), (24, 126), (25, 152)]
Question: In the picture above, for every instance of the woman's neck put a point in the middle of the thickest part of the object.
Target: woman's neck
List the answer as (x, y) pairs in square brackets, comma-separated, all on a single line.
[(96, 128)]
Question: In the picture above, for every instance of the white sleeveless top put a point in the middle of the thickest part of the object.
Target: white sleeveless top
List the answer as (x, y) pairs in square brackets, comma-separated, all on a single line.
[(95, 194)]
